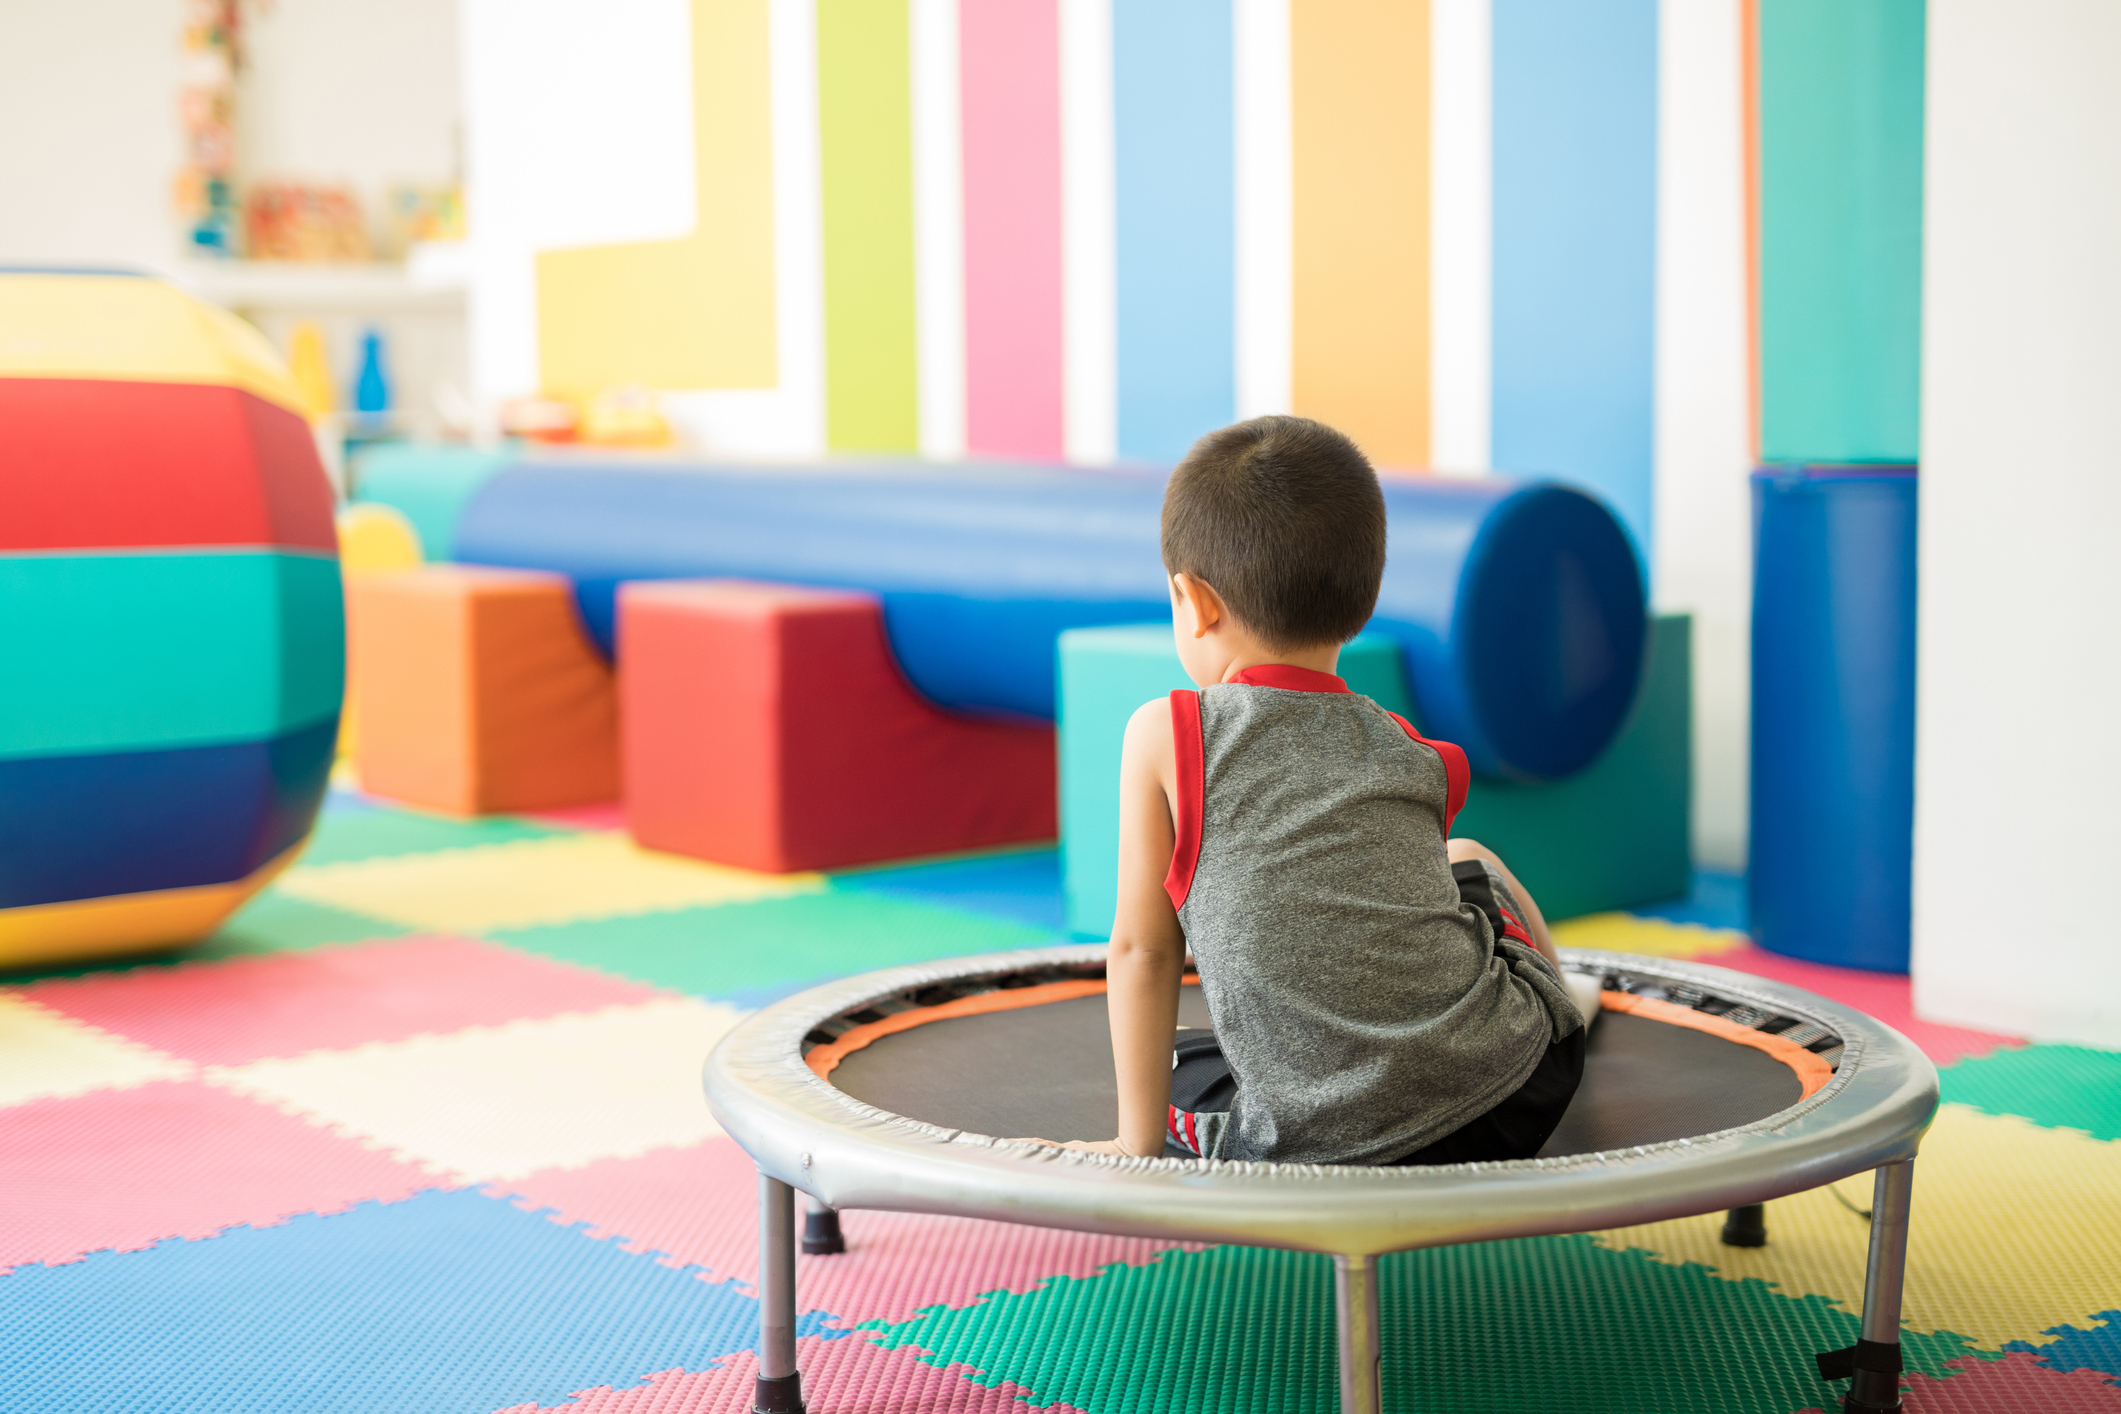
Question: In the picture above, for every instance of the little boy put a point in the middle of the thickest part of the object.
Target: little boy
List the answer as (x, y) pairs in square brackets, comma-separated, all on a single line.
[(1381, 994)]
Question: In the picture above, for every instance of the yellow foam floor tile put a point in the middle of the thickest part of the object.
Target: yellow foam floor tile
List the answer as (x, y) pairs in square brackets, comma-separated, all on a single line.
[(1656, 937), (496, 1102), (529, 883), (2016, 1228), (45, 1055)]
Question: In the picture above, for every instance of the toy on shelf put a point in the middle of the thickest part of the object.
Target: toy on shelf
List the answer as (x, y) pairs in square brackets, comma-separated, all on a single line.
[(298, 221), (206, 105), (169, 614)]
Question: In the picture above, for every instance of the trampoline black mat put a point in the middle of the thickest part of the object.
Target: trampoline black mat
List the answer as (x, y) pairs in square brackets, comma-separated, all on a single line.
[(1046, 1072)]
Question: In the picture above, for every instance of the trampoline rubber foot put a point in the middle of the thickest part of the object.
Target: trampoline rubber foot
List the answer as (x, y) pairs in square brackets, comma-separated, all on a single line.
[(821, 1233), (1873, 1371), (778, 1394), (1746, 1227)]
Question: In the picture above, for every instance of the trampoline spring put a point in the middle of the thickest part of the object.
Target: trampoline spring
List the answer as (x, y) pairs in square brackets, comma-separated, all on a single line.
[(1748, 1016), (1806, 1034)]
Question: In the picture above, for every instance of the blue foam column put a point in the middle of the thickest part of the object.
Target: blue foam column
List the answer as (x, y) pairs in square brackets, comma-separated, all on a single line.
[(1834, 713)]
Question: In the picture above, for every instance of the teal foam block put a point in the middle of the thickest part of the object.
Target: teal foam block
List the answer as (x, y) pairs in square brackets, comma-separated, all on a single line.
[(429, 486), (1613, 835), (128, 651)]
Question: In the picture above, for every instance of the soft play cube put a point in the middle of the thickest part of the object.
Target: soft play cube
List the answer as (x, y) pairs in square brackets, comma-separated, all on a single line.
[(170, 616), (1613, 835), (478, 691), (768, 726)]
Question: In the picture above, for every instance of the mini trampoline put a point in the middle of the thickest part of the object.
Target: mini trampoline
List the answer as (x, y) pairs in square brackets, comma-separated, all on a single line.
[(1704, 1090)]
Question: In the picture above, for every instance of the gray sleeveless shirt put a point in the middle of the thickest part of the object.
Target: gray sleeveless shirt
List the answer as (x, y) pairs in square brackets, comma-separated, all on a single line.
[(1364, 1010)]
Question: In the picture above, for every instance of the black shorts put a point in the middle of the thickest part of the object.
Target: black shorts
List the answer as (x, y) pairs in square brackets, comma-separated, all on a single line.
[(1514, 1128)]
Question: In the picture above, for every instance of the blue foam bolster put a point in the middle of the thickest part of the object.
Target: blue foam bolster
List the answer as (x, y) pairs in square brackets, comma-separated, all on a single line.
[(76, 827), (1520, 607)]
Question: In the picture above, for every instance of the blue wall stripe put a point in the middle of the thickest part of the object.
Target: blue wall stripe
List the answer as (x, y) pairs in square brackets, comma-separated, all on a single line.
[(1575, 246), (1175, 127)]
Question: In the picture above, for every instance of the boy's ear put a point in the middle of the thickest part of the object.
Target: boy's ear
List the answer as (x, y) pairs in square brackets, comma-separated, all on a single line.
[(1207, 605)]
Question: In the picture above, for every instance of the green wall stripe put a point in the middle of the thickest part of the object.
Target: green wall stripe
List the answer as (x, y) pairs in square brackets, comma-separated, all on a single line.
[(865, 138), (124, 652), (1841, 85)]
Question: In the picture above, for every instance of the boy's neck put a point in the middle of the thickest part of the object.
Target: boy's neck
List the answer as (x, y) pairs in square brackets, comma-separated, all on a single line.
[(1319, 658)]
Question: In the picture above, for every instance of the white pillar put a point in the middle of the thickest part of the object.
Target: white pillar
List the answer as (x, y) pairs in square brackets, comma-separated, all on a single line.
[(2018, 770)]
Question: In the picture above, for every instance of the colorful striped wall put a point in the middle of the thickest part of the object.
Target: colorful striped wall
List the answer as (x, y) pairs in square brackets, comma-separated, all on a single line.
[(1012, 228)]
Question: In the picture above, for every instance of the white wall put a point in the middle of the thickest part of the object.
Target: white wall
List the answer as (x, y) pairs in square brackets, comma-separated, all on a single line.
[(2018, 770), (88, 100), (363, 92), (1703, 517)]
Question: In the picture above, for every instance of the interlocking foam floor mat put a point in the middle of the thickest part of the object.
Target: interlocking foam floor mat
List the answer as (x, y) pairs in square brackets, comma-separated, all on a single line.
[(421, 1129)]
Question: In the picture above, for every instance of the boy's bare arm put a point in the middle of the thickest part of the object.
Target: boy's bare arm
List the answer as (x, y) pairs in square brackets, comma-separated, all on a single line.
[(1148, 951), (1148, 954)]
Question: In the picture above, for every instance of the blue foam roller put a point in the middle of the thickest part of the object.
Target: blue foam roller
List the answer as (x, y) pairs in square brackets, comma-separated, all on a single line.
[(1833, 793), (1519, 606)]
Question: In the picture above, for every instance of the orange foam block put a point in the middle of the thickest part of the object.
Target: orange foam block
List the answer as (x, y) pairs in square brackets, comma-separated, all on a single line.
[(769, 726), (478, 690)]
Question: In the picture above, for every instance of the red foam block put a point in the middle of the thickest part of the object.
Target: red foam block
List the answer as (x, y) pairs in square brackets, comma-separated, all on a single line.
[(284, 1004), (125, 1169), (1884, 995), (699, 1206), (848, 1375), (100, 462), (768, 726)]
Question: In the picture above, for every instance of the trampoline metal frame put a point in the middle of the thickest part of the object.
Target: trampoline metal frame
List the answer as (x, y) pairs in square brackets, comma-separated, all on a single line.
[(805, 1134)]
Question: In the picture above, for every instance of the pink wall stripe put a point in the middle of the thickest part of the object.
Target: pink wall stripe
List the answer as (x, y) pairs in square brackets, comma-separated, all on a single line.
[(1010, 67)]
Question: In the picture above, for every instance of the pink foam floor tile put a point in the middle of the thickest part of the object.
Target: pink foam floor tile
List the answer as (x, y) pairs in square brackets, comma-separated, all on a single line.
[(846, 1376), (1879, 994), (2016, 1384), (699, 1205), (242, 1009), (125, 1169), (604, 815)]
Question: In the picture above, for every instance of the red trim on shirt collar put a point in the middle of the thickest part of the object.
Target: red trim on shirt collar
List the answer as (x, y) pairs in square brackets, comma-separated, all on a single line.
[(1293, 679)]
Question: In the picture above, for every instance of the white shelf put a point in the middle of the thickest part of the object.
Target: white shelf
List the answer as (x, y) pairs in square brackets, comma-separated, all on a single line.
[(431, 282)]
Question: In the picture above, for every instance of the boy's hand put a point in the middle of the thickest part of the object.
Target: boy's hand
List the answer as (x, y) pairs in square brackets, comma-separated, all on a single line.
[(1088, 1146)]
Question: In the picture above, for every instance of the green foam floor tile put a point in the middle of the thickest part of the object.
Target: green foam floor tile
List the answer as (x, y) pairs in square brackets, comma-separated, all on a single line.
[(374, 832), (2061, 1087), (750, 952), (1539, 1323)]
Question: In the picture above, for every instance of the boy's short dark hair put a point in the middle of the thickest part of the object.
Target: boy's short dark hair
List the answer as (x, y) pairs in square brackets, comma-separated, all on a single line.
[(1284, 517)]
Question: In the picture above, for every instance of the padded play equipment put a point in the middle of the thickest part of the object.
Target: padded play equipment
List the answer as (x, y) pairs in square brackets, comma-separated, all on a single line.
[(765, 725), (169, 616), (477, 691), (373, 538), (1518, 607), (1705, 1090), (1833, 795), (1612, 835)]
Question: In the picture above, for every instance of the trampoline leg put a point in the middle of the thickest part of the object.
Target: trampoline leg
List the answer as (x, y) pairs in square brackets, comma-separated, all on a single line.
[(1876, 1383), (779, 1389), (1355, 1307), (821, 1231), (1746, 1227)]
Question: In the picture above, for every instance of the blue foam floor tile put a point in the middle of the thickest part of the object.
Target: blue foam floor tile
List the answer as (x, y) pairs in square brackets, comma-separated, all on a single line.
[(2097, 1348), (1716, 901), (1023, 887), (449, 1301)]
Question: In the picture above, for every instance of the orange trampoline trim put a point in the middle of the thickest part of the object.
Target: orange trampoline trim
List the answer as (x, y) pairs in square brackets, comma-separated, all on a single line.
[(823, 1060), (1812, 1072)]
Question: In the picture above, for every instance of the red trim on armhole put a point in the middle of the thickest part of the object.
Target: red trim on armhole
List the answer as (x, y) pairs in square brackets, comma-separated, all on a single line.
[(1455, 769), (1192, 791)]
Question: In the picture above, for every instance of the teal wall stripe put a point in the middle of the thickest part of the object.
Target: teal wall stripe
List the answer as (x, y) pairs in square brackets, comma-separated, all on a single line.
[(1841, 87), (124, 652)]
